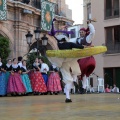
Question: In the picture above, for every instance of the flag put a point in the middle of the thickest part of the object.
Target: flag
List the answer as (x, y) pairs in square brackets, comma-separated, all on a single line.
[(47, 15), (3, 10)]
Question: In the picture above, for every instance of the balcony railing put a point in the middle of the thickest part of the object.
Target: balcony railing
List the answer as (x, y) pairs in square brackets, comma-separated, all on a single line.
[(112, 13), (113, 48)]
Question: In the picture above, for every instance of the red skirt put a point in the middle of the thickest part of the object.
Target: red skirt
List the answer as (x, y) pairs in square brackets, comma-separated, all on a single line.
[(87, 66), (53, 84), (37, 82)]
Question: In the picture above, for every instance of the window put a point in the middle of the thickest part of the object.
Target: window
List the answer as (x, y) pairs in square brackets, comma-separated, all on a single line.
[(113, 39), (89, 11), (111, 9), (73, 35), (112, 76)]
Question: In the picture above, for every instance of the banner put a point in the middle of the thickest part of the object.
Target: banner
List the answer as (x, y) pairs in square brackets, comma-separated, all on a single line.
[(3, 10), (47, 15)]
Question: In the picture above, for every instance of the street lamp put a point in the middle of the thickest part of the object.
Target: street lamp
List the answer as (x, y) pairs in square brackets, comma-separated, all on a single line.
[(29, 38), (44, 40), (37, 36)]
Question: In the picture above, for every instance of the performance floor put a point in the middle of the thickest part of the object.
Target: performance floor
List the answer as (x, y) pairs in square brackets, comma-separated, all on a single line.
[(52, 107)]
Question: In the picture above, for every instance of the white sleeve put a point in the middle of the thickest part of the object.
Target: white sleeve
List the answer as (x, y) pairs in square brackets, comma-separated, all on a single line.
[(47, 67), (90, 37)]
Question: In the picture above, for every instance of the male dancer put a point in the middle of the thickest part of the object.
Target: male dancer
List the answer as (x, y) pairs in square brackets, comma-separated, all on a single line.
[(66, 65), (87, 65)]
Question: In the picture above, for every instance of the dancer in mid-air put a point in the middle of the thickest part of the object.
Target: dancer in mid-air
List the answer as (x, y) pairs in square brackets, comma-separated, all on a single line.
[(69, 67), (87, 65)]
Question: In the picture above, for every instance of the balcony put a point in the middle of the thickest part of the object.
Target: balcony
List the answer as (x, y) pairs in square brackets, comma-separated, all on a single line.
[(113, 48), (35, 7), (37, 4)]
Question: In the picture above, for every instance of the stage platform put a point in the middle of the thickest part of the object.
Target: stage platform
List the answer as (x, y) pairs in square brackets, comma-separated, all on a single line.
[(52, 107)]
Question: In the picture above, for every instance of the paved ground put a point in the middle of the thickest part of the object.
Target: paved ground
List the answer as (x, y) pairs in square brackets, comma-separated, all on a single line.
[(83, 107)]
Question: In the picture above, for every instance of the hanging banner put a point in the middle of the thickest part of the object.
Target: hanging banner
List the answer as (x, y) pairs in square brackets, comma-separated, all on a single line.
[(3, 10), (47, 15)]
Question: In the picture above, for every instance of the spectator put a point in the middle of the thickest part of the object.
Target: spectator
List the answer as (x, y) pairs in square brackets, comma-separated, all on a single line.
[(115, 89), (107, 90)]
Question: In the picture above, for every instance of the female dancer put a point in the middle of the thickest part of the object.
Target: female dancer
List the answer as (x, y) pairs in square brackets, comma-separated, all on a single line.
[(3, 81), (25, 78), (54, 85), (15, 84), (37, 81)]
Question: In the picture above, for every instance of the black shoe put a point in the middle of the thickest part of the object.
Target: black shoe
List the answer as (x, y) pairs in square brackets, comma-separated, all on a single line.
[(68, 100), (51, 93), (56, 93)]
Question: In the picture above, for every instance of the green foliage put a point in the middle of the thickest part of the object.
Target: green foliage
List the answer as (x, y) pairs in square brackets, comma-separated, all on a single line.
[(4, 48), (31, 58)]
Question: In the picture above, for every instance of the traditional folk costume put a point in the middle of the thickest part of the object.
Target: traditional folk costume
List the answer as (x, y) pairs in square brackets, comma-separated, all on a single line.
[(8, 70), (87, 65), (65, 64), (44, 69), (37, 81), (54, 84), (3, 81), (15, 84), (25, 79)]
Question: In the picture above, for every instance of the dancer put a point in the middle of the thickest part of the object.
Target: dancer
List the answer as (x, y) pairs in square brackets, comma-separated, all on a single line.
[(65, 64), (62, 40), (15, 84), (37, 81), (44, 69), (3, 82), (25, 78), (87, 65), (54, 85)]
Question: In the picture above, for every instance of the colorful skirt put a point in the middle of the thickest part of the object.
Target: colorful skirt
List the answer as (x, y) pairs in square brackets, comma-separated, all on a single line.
[(37, 82), (26, 82), (15, 84), (7, 74), (54, 84), (3, 84), (87, 65)]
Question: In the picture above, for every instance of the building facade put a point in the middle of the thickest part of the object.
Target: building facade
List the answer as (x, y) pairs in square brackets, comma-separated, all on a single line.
[(107, 13), (18, 24)]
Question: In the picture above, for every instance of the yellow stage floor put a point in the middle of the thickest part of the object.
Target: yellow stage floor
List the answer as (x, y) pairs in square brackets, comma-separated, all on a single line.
[(53, 107)]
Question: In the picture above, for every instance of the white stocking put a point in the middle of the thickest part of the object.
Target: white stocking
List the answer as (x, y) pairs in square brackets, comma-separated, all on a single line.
[(84, 81), (68, 93), (67, 90)]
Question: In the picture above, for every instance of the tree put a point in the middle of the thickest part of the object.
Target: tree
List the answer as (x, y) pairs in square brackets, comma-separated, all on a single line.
[(4, 48)]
